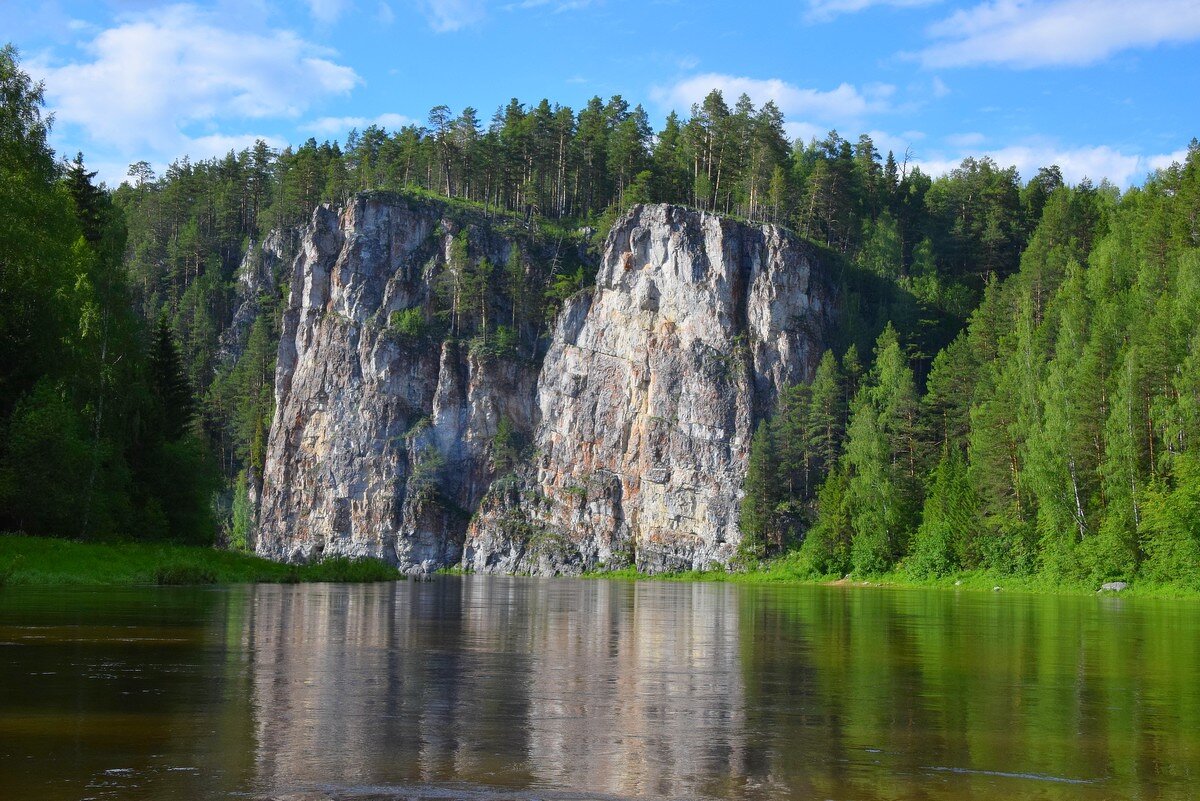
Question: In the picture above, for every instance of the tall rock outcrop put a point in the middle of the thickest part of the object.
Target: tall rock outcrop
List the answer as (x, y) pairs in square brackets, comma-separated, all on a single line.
[(637, 412), (257, 276), (381, 442), (649, 395)]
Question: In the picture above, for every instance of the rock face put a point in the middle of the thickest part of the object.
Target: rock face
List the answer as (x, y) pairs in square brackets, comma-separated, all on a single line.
[(380, 444), (256, 277), (649, 396), (638, 417)]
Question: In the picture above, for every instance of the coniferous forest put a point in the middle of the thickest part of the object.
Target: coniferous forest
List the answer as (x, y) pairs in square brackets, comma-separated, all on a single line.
[(1017, 389)]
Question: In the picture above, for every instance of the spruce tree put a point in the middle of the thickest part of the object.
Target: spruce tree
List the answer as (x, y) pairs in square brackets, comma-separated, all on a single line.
[(827, 545), (170, 384), (762, 495), (945, 540), (90, 201), (883, 455), (826, 414), (790, 427)]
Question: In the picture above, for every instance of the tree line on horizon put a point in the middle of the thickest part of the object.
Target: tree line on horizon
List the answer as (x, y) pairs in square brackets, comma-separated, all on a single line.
[(981, 314), (918, 250), (1058, 432), (96, 435)]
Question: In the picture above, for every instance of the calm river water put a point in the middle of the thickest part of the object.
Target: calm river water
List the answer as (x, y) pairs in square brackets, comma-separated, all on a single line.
[(501, 688)]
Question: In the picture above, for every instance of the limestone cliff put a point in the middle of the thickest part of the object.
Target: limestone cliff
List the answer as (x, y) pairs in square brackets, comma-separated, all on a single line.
[(649, 395), (257, 277), (381, 443), (636, 411)]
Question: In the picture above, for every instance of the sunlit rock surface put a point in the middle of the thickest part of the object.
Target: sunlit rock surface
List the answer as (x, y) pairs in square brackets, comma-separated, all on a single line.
[(637, 414), (648, 398)]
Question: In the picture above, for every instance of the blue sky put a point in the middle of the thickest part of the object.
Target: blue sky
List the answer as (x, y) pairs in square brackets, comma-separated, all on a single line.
[(1103, 88)]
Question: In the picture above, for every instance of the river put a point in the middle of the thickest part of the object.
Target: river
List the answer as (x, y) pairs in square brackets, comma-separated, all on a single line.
[(507, 688)]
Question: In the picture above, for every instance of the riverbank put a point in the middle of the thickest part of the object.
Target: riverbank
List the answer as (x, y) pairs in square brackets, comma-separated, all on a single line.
[(786, 570), (40, 561), (33, 561)]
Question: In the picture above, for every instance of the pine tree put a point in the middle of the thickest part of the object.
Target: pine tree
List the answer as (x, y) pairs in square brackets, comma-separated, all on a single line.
[(827, 413), (90, 201), (170, 383), (1171, 530), (882, 453), (762, 495), (946, 538), (828, 543), (790, 430)]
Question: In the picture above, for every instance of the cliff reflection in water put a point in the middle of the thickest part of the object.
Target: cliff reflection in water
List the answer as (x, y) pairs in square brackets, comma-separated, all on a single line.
[(626, 688), (463, 687), (709, 690)]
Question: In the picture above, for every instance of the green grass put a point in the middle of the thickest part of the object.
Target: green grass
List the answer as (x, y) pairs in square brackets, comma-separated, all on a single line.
[(788, 569), (44, 561), (53, 562)]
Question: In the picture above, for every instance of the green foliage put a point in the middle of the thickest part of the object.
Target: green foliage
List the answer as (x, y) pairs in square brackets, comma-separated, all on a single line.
[(409, 324), (758, 521), (92, 429), (50, 561), (47, 463), (827, 546), (500, 343), (346, 569), (884, 460), (1171, 538), (10, 568), (946, 539), (242, 524), (170, 384), (1074, 389), (427, 469), (506, 446)]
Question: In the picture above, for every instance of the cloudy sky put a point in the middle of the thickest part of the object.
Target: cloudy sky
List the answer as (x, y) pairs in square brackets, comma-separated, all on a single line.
[(1103, 88)]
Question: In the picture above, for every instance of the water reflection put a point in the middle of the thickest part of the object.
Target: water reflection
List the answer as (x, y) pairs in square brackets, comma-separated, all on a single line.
[(495, 687), (631, 689)]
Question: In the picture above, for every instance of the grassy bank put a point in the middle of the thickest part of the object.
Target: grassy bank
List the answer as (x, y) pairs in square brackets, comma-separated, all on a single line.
[(788, 570), (44, 561)]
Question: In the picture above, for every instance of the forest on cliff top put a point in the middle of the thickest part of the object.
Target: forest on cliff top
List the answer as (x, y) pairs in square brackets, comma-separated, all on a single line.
[(1016, 389)]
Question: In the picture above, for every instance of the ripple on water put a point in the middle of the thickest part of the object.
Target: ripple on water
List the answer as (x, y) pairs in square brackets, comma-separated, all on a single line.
[(425, 792), (1037, 777)]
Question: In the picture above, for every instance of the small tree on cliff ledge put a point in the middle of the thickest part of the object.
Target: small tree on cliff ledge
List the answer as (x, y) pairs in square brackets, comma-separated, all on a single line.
[(762, 495)]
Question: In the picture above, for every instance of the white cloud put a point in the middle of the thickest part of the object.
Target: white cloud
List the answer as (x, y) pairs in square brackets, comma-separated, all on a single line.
[(445, 16), (1076, 163), (838, 106), (1167, 159), (825, 10), (336, 126), (940, 89), (1023, 33), (206, 147), (898, 145), (384, 14), (327, 11), (804, 131), (969, 139), (145, 82), (173, 81), (556, 5)]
